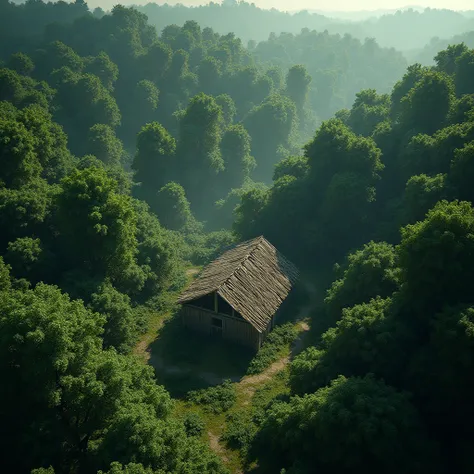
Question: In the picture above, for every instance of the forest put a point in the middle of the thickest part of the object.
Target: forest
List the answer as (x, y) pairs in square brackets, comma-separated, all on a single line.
[(138, 144)]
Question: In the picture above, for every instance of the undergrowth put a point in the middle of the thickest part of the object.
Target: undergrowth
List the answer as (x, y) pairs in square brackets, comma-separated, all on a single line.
[(194, 424), (215, 399), (242, 425), (277, 342)]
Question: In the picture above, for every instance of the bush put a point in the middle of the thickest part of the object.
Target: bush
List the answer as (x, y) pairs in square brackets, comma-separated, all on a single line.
[(215, 399), (202, 248), (277, 341), (121, 328), (193, 424), (239, 431)]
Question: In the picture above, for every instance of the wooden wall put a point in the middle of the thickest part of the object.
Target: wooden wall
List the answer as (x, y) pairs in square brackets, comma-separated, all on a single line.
[(234, 329)]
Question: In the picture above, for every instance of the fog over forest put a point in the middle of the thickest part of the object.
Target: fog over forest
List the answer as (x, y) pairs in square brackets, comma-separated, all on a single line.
[(306, 177)]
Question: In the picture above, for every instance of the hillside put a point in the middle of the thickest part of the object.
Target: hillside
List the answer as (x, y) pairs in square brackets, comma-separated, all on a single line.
[(131, 157)]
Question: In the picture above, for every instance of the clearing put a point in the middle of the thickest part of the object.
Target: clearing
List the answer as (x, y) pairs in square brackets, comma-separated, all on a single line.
[(184, 361)]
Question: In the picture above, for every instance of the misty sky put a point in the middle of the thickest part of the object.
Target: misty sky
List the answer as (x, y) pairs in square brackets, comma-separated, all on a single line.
[(328, 5), (358, 5)]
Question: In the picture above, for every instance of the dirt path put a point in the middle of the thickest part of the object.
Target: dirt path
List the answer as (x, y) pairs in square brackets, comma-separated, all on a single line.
[(192, 271), (249, 384), (143, 348), (215, 446), (246, 388)]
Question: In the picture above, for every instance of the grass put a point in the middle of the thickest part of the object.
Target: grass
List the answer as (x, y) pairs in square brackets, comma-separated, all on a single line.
[(224, 414), (161, 310), (229, 433), (156, 319), (216, 399), (276, 346)]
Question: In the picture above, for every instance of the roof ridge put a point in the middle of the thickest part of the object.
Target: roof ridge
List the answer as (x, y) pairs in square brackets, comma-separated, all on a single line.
[(258, 240)]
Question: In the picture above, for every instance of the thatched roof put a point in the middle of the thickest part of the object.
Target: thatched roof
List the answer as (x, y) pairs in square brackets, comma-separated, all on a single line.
[(253, 277)]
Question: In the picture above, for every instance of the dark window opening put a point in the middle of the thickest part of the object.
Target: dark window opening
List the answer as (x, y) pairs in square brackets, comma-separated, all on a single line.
[(206, 302), (224, 307), (216, 322)]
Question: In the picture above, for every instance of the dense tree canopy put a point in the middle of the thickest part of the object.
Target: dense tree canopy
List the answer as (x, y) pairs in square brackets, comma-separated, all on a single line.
[(130, 154)]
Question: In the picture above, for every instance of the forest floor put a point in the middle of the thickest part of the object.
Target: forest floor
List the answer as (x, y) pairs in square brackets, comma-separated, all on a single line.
[(185, 361), (206, 369), (271, 382)]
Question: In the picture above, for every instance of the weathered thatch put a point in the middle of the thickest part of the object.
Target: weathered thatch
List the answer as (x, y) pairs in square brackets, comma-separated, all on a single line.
[(253, 277)]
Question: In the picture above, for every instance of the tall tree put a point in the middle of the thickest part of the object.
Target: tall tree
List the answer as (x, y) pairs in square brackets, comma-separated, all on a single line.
[(101, 225), (235, 149), (198, 153)]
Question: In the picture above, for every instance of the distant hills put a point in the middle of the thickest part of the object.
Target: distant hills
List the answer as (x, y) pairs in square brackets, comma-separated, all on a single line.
[(361, 15)]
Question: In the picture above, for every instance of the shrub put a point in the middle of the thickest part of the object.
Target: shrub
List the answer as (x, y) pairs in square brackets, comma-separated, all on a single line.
[(193, 424), (239, 431), (215, 399), (277, 341)]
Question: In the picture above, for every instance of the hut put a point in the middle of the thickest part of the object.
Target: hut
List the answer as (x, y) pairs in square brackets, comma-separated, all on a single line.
[(237, 296)]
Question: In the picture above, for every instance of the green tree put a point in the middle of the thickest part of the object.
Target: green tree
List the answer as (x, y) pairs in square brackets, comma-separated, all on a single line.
[(50, 142), (20, 162), (297, 85), (462, 172), (154, 162), (431, 155), (275, 74), (198, 153), (21, 63), (100, 224), (422, 192), (139, 108), (172, 207), (414, 73), (250, 218), (369, 109), (446, 59), (367, 273), (344, 169), (436, 259), (354, 424), (272, 126), (228, 108), (22, 90), (235, 150), (60, 335), (159, 253), (363, 341), (131, 468), (102, 67), (26, 257), (463, 109), (104, 145), (209, 75), (5, 281), (296, 166), (55, 56), (464, 73), (120, 329), (84, 102), (443, 363), (427, 104), (24, 211)]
